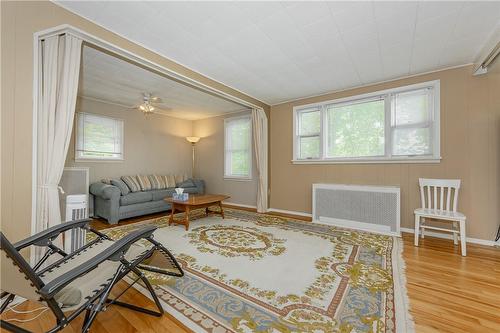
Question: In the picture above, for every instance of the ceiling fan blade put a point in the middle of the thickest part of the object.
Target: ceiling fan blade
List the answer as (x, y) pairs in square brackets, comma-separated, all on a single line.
[(162, 109)]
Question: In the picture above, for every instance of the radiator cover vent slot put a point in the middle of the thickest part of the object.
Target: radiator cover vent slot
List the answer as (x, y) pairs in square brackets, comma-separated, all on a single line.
[(371, 208)]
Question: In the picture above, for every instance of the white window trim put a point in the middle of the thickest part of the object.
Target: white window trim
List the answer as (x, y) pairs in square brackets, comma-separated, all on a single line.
[(93, 158), (388, 158), (232, 177), (312, 135)]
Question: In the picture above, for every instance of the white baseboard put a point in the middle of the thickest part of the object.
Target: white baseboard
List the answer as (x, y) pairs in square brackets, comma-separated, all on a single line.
[(430, 233), (377, 229), (238, 205), (450, 236), (290, 212)]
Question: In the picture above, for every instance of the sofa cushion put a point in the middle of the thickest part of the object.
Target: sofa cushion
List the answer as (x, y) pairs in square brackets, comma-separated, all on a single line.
[(143, 208), (132, 183), (186, 184), (157, 182), (144, 182), (191, 190), (135, 197), (162, 194), (121, 185)]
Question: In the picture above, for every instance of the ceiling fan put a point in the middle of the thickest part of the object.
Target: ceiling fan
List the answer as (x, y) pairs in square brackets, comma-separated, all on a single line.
[(147, 106)]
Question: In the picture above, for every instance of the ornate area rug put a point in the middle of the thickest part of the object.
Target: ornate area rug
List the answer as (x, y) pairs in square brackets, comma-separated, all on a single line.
[(260, 273)]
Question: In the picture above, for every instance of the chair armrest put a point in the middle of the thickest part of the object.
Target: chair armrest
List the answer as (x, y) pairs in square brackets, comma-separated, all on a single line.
[(42, 238), (105, 191), (114, 252)]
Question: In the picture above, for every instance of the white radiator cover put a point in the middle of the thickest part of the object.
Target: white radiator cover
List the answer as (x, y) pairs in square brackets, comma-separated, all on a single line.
[(371, 208)]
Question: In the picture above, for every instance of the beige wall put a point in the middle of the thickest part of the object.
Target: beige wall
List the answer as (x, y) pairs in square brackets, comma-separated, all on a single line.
[(152, 144), (19, 21), (210, 162), (470, 149)]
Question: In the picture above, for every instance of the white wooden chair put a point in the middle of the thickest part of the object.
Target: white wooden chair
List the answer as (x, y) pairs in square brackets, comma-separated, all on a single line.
[(439, 201)]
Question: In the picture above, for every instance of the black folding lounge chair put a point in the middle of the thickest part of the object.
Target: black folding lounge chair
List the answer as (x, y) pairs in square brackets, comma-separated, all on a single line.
[(82, 280)]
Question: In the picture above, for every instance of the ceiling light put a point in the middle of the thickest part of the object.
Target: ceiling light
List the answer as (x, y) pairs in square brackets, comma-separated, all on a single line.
[(146, 108), (193, 139)]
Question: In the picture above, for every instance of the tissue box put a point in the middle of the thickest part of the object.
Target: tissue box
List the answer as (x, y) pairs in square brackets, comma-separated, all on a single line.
[(180, 197)]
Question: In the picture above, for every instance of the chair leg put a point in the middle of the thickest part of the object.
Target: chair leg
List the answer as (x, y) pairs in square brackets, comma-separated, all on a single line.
[(455, 238), (463, 238), (148, 285), (417, 228), (89, 319), (422, 229)]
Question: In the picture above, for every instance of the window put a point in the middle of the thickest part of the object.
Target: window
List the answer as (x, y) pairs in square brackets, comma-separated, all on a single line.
[(98, 137), (309, 133), (238, 148), (399, 124)]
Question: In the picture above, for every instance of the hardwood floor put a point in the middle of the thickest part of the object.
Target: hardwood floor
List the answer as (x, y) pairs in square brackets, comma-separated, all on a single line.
[(451, 293), (448, 293)]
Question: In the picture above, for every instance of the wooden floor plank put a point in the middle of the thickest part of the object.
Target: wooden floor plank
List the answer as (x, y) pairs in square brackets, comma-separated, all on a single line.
[(448, 293)]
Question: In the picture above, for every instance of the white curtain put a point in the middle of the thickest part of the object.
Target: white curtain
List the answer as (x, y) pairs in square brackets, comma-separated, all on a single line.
[(259, 125), (60, 68)]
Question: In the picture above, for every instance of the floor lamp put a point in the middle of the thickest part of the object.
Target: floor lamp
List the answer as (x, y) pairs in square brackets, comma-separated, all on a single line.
[(193, 140)]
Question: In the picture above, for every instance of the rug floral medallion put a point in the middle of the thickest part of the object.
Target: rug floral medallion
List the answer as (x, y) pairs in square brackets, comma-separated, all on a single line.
[(260, 273)]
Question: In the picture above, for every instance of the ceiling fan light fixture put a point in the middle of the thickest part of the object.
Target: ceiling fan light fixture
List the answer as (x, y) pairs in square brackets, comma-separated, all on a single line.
[(146, 107)]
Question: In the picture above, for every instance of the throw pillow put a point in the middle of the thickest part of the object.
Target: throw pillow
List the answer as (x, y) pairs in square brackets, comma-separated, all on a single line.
[(157, 182), (106, 181), (169, 181), (180, 178), (186, 183), (121, 185), (144, 182), (132, 183)]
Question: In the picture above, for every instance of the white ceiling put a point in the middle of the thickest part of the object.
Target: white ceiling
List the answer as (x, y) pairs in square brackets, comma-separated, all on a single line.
[(277, 51), (110, 79)]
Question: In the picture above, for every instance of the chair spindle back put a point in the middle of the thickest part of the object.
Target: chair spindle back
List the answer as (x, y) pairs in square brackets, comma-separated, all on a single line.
[(439, 194)]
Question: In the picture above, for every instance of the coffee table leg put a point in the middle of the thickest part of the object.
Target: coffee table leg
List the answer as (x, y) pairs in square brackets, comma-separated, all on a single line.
[(221, 210), (206, 211), (171, 219), (186, 221)]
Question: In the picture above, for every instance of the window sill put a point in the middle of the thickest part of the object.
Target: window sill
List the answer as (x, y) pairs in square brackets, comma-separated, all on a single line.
[(238, 179), (371, 161), (93, 160)]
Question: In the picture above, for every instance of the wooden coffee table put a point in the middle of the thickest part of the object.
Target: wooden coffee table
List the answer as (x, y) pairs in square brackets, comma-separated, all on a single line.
[(195, 201)]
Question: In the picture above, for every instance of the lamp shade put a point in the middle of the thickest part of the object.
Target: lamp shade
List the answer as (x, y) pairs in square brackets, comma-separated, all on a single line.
[(193, 139)]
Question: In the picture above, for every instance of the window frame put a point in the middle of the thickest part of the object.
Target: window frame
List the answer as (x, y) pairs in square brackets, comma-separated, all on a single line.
[(313, 135), (250, 148), (434, 157), (80, 158)]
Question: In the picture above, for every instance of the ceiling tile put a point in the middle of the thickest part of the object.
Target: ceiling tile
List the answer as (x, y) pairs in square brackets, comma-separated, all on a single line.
[(432, 9), (279, 51), (351, 14)]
